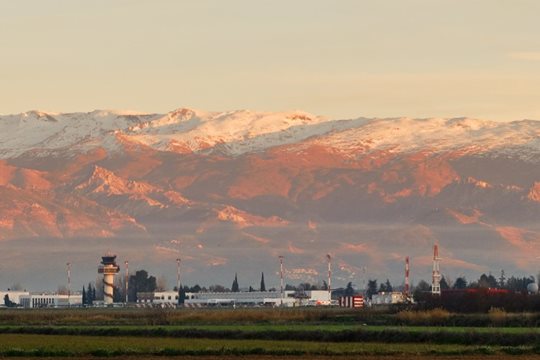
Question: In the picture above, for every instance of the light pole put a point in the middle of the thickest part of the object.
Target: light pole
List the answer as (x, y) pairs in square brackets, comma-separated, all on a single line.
[(178, 275), (329, 259), (281, 277), (68, 269), (126, 280)]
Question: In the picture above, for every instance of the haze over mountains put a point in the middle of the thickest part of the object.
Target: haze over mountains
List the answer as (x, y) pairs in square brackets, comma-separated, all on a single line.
[(230, 191)]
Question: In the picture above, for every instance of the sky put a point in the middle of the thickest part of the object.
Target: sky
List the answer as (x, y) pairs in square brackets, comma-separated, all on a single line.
[(341, 59)]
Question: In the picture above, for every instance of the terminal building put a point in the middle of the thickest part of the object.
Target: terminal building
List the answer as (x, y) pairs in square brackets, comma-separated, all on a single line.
[(44, 300), (254, 298)]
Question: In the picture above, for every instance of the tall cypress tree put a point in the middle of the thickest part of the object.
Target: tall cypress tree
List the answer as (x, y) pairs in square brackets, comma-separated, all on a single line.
[(235, 287), (90, 295), (263, 286), (83, 296)]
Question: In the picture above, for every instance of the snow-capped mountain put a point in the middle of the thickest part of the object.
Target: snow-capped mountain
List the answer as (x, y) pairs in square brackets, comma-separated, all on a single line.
[(239, 132), (232, 190)]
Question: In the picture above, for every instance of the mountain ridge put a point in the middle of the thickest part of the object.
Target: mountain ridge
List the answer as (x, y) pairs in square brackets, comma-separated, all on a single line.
[(233, 190)]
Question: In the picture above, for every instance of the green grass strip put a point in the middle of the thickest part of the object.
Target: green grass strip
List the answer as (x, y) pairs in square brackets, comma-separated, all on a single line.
[(17, 345)]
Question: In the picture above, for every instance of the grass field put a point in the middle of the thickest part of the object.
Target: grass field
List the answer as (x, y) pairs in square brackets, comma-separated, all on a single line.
[(304, 333), (61, 345)]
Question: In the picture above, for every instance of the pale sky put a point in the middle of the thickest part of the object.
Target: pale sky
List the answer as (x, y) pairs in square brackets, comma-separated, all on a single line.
[(338, 58)]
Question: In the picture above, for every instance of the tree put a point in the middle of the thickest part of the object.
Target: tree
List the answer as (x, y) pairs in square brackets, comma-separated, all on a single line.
[(519, 284), (140, 282), (349, 291), (382, 288), (217, 288), (90, 295), (235, 287), (251, 289), (461, 283), (371, 288), (306, 286), (324, 285), (263, 286), (502, 279), (389, 287), (182, 295), (487, 281), (420, 289), (8, 302), (444, 284), (84, 296)]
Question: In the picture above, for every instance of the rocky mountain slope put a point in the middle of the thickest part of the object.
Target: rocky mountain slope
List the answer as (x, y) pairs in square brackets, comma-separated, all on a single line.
[(230, 191)]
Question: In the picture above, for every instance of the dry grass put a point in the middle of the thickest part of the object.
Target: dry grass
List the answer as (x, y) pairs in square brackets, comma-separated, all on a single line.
[(429, 317), (166, 316), (497, 316)]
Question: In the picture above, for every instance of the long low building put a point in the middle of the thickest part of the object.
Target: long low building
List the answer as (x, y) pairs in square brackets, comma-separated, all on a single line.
[(44, 300), (254, 298)]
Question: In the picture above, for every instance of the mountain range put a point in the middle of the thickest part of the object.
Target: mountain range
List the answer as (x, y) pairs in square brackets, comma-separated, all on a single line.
[(230, 191)]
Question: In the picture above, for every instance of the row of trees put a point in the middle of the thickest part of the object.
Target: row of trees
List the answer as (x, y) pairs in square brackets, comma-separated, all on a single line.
[(485, 281)]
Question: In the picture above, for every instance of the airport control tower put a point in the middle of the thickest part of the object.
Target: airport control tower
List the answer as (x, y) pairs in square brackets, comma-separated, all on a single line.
[(108, 268)]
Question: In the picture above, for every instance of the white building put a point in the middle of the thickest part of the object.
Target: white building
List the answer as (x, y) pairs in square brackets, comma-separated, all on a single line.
[(14, 296), (259, 298), (388, 298), (42, 300), (254, 298)]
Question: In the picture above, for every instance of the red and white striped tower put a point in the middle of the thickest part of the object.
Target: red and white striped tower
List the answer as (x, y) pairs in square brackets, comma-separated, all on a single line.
[(436, 280), (281, 277), (68, 269), (126, 280), (407, 284), (329, 260), (109, 269)]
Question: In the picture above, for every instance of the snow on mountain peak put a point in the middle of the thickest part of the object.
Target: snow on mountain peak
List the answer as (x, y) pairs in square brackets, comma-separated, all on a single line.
[(241, 131)]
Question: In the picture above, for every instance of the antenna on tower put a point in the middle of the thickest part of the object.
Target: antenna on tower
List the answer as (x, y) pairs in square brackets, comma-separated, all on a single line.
[(436, 279)]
